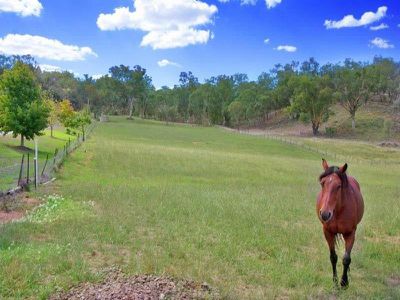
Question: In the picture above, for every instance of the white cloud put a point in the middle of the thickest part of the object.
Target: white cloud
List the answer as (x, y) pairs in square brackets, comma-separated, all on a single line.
[(248, 2), (42, 47), (286, 48), (381, 43), (272, 3), (169, 24), (49, 68), (266, 41), (350, 21), (176, 38), (21, 7), (165, 62), (97, 76), (379, 27)]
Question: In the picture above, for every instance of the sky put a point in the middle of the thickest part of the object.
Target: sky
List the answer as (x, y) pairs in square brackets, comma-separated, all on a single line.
[(207, 37)]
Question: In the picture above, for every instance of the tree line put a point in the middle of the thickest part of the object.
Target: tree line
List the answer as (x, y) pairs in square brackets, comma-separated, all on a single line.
[(306, 91)]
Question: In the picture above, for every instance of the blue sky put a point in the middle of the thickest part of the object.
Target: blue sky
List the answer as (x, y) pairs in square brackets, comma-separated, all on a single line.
[(208, 37)]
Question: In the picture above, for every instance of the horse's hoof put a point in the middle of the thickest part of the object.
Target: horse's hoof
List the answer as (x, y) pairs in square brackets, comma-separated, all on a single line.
[(344, 283)]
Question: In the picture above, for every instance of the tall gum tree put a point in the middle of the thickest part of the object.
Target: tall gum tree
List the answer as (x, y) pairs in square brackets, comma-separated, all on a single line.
[(312, 98), (353, 88)]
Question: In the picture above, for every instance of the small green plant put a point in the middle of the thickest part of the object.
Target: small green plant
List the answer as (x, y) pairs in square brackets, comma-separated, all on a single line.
[(330, 131), (47, 212)]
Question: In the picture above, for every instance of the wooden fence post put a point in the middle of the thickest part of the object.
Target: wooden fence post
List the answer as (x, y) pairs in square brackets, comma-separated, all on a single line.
[(45, 164), (21, 169), (27, 171)]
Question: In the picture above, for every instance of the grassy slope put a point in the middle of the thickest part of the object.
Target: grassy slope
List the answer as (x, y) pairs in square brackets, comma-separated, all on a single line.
[(11, 155), (235, 211), (374, 123)]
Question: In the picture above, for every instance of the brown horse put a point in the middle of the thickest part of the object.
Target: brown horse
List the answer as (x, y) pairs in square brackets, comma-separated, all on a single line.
[(340, 208)]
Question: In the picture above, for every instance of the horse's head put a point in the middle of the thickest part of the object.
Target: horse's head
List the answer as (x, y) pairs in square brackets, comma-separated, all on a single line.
[(333, 180)]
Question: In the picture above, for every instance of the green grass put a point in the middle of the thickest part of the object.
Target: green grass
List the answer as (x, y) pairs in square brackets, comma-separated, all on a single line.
[(10, 154), (200, 203)]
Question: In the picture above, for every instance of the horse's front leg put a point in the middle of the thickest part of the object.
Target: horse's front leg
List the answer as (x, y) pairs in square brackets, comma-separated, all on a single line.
[(330, 238), (349, 242)]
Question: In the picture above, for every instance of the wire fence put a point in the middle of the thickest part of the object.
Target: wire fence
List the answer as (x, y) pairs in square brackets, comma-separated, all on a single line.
[(20, 175), (324, 151)]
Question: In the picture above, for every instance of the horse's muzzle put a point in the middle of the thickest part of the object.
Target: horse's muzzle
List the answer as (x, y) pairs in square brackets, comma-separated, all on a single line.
[(325, 216)]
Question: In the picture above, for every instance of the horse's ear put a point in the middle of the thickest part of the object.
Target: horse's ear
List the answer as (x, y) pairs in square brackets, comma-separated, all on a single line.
[(343, 169), (325, 164)]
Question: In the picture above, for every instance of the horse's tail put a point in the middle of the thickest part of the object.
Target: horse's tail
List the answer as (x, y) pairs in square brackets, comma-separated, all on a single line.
[(338, 239)]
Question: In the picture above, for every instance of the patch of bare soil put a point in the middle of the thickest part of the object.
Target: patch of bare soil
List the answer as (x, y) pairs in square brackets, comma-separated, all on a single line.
[(393, 281), (139, 287), (14, 207), (6, 217)]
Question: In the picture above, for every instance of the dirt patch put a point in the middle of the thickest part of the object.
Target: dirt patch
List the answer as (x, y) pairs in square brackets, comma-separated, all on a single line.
[(139, 287), (393, 281), (14, 207), (30, 201), (6, 217)]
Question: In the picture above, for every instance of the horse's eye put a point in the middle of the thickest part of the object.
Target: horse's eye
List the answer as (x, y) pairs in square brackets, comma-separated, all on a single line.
[(339, 187)]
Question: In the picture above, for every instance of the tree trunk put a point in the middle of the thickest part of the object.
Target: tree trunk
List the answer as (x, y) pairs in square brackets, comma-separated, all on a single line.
[(22, 141), (315, 129), (131, 109), (353, 121), (51, 130), (83, 133)]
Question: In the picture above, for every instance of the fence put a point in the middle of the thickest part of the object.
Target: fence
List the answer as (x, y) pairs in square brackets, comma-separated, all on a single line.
[(323, 152), (21, 174)]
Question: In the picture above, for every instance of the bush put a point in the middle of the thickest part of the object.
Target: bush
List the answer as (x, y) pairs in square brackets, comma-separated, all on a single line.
[(330, 131)]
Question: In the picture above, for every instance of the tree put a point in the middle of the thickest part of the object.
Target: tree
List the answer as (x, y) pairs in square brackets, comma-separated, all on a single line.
[(248, 95), (353, 88), (312, 99), (61, 86), (384, 77), (7, 62), (53, 112), (237, 113), (188, 84), (65, 113), (22, 110), (123, 75), (142, 86), (201, 104), (80, 120), (134, 86), (225, 94)]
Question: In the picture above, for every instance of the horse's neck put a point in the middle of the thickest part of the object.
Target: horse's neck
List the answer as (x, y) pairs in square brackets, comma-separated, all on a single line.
[(344, 198)]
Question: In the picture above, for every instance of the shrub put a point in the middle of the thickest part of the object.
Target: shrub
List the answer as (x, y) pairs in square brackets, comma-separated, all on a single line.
[(330, 131)]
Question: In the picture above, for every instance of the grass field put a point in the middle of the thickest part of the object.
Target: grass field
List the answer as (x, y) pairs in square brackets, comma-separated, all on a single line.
[(200, 203)]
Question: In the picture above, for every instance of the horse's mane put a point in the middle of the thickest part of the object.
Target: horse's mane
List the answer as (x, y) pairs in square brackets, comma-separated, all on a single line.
[(335, 170)]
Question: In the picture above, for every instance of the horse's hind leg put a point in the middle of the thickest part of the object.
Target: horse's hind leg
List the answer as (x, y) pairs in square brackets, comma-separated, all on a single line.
[(330, 238), (349, 242)]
